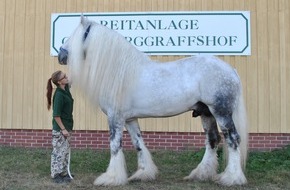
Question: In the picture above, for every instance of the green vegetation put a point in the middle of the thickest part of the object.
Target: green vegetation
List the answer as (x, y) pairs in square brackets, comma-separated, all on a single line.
[(23, 168)]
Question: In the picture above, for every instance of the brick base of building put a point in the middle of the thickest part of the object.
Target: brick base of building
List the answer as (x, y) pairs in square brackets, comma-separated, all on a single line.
[(154, 140)]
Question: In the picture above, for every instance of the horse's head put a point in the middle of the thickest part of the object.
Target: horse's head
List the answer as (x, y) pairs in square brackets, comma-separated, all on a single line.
[(79, 36)]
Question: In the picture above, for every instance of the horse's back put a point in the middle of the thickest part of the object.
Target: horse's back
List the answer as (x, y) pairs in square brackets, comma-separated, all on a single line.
[(173, 87)]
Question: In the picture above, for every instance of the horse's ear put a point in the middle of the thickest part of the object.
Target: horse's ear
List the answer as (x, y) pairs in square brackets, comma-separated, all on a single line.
[(83, 20)]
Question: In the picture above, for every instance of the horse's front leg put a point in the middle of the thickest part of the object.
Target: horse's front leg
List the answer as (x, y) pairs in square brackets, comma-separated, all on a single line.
[(147, 170), (207, 168), (116, 173)]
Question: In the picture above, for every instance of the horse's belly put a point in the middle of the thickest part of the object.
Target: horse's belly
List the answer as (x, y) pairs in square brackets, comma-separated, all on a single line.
[(166, 89), (156, 103)]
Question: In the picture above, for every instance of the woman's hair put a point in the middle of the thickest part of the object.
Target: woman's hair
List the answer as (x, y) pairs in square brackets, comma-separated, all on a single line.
[(54, 78)]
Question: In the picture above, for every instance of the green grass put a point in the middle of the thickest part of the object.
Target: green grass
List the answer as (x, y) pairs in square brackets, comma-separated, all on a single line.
[(23, 168)]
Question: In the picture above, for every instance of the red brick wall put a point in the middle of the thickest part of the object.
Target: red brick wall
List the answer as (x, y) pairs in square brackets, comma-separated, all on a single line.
[(153, 140)]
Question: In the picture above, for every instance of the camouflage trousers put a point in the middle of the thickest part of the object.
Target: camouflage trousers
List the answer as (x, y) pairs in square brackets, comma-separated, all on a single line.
[(60, 153)]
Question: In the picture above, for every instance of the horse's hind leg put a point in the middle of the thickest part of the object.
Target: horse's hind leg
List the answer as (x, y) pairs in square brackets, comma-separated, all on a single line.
[(116, 173), (207, 168), (233, 174), (146, 167)]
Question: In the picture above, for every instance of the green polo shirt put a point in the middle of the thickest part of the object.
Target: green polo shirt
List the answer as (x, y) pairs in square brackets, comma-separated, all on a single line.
[(63, 108)]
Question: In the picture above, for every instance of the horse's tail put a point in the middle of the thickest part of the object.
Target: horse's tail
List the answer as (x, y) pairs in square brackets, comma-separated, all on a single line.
[(241, 124)]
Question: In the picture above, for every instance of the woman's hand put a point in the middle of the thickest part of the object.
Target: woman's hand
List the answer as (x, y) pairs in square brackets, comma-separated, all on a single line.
[(62, 127), (65, 132)]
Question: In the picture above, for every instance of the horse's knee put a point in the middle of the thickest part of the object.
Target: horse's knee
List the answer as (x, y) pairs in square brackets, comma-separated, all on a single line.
[(136, 143), (135, 134), (116, 135)]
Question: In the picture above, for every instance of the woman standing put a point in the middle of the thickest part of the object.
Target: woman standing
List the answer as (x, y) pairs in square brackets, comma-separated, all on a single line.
[(62, 125)]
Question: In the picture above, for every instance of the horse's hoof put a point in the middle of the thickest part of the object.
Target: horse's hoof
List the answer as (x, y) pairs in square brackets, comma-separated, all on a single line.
[(230, 180), (144, 175), (109, 180)]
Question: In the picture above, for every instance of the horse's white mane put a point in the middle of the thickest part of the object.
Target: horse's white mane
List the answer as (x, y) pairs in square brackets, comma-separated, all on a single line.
[(105, 65)]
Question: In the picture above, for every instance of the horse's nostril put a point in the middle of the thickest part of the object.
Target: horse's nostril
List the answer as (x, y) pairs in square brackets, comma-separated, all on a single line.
[(62, 56)]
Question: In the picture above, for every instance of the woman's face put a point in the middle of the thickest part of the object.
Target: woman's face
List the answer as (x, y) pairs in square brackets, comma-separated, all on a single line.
[(63, 79)]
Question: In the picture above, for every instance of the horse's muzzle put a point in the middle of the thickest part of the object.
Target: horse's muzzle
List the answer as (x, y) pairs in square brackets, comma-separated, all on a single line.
[(62, 56)]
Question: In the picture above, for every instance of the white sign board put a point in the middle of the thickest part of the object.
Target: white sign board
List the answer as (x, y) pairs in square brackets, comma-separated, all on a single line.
[(167, 33)]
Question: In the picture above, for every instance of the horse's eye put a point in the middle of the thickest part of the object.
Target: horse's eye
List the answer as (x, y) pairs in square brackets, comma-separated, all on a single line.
[(87, 32)]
